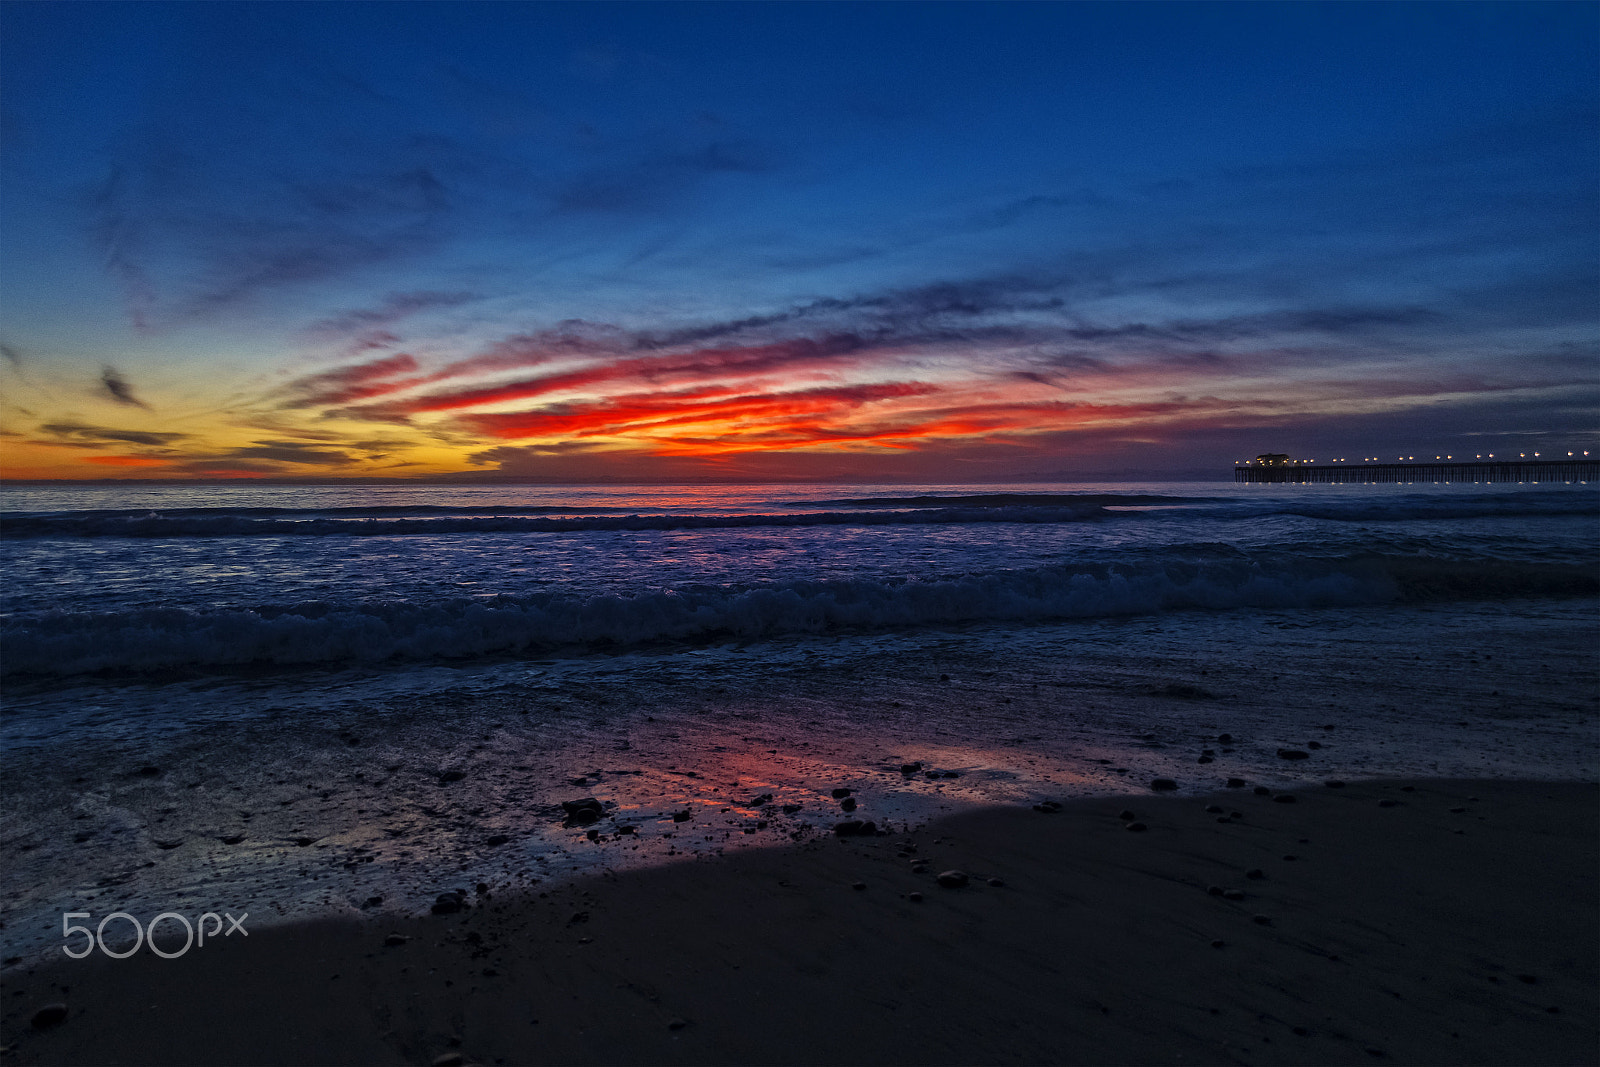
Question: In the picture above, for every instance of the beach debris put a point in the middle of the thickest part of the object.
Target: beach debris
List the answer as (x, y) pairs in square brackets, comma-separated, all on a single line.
[(582, 812), (952, 879), (49, 1015), (1163, 784), (1136, 827), (449, 903), (1237, 783), (496, 840), (1233, 894), (1293, 753)]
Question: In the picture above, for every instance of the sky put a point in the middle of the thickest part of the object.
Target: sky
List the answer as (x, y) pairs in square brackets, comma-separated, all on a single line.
[(599, 242)]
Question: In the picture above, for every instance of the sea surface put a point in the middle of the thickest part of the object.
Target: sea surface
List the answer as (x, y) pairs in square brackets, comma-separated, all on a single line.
[(316, 698)]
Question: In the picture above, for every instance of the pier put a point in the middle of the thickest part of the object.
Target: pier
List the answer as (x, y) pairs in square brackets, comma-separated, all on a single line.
[(1479, 470)]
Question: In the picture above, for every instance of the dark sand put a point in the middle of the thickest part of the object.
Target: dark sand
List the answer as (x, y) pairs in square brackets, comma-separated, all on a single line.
[(1410, 933)]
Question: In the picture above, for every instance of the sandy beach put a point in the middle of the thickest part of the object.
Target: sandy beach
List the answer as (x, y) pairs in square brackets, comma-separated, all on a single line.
[(1400, 921)]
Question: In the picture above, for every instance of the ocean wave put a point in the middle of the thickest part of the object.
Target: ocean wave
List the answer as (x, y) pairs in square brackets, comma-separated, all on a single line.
[(68, 643), (234, 524), (1028, 508)]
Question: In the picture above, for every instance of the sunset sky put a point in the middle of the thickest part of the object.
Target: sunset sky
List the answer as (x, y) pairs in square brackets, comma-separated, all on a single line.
[(680, 242)]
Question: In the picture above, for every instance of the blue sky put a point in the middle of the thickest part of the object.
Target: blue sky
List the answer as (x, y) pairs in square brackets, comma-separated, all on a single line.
[(577, 241)]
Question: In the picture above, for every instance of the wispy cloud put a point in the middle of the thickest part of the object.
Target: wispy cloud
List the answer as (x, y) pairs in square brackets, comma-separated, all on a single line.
[(118, 389), (84, 435), (391, 310)]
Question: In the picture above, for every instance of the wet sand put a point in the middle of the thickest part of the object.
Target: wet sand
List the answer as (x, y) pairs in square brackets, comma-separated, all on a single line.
[(297, 797), (1419, 921)]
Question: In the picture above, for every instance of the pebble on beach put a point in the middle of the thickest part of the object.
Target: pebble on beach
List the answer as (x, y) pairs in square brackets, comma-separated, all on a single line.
[(49, 1015), (952, 879)]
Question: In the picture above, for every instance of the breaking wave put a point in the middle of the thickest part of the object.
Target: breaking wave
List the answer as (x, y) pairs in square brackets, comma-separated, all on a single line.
[(69, 643)]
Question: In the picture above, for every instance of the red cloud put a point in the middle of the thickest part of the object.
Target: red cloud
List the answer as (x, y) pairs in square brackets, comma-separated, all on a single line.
[(648, 412), (356, 382), (700, 365)]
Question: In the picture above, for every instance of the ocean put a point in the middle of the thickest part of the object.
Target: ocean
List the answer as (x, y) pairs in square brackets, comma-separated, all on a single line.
[(300, 700)]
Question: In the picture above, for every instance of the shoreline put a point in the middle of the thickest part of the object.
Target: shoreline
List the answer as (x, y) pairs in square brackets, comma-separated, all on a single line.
[(313, 796), (1439, 928)]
